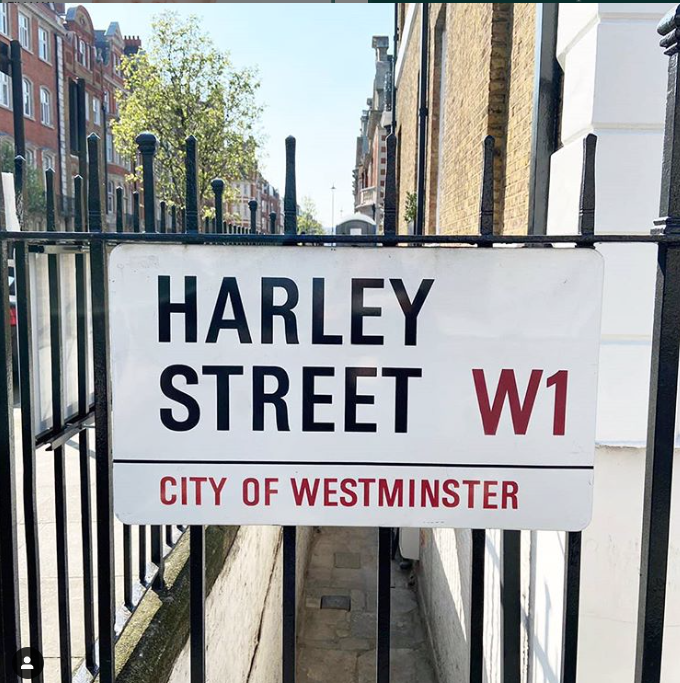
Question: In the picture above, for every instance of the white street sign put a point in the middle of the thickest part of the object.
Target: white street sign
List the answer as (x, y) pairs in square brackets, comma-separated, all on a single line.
[(402, 387)]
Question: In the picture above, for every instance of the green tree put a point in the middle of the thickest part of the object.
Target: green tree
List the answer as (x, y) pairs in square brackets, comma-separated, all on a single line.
[(182, 85), (34, 186), (307, 221)]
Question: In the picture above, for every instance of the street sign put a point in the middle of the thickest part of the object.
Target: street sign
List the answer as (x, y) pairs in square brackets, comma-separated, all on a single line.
[(402, 387)]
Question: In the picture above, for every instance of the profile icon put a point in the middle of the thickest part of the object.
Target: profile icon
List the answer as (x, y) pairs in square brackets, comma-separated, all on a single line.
[(28, 663)]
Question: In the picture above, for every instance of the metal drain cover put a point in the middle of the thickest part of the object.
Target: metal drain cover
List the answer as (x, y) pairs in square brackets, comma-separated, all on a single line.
[(342, 602)]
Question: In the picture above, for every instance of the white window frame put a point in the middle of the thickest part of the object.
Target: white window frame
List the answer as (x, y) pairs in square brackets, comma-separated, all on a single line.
[(110, 194), (30, 157), (82, 52), (44, 52), (109, 148), (45, 107), (48, 161), (4, 20), (31, 98), (25, 31), (5, 91), (96, 111), (87, 106)]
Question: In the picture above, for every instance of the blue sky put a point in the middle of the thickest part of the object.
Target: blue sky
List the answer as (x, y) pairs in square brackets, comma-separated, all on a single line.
[(315, 63)]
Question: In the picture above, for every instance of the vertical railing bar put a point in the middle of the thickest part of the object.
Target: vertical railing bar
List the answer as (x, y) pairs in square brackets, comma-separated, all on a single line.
[(572, 550), (272, 223), (119, 210), (290, 196), (479, 535), (102, 402), (384, 605), (289, 603), (141, 558), (135, 212), (173, 219), (197, 602), (191, 163), (147, 145), (206, 225), (217, 185), (390, 211), (82, 342), (252, 205), (79, 218), (163, 222), (127, 567), (9, 573), (57, 384), (511, 592), (25, 348)]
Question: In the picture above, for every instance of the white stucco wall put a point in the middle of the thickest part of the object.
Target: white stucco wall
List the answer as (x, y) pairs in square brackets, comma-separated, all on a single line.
[(243, 610), (615, 83)]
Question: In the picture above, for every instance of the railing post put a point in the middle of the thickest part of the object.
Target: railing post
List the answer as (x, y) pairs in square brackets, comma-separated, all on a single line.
[(290, 196), (390, 211), (663, 385), (218, 189), (119, 209), (94, 208), (17, 98), (382, 659), (419, 228), (197, 602), (173, 219), (252, 205), (10, 629), (79, 222), (102, 408), (163, 222), (478, 559), (50, 211), (82, 140), (191, 163), (272, 223), (289, 604), (572, 551), (147, 144)]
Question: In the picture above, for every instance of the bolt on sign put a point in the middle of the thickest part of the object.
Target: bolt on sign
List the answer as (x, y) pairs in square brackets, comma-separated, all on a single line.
[(348, 386)]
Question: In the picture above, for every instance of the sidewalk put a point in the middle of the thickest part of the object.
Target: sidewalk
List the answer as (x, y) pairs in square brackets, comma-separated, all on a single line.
[(336, 642)]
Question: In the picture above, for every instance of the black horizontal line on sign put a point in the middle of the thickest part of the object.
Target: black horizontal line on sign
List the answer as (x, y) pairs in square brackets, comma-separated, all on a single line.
[(326, 463)]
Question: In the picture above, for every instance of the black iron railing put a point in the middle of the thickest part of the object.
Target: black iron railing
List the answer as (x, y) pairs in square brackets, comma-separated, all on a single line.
[(183, 225)]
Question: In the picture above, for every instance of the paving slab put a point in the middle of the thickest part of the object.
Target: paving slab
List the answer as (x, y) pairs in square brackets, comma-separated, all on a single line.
[(338, 646)]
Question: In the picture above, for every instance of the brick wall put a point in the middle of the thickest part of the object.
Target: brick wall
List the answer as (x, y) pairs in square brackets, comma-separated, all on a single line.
[(520, 110), (480, 83)]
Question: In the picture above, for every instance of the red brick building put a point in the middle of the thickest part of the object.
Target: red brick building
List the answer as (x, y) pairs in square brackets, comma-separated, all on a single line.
[(39, 28), (58, 48)]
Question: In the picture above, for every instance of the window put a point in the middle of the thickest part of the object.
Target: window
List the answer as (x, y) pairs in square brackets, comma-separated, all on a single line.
[(109, 196), (45, 107), (24, 31), (30, 157), (109, 148), (4, 21), (87, 106), (83, 53), (48, 161), (43, 44), (28, 98), (5, 90), (96, 111)]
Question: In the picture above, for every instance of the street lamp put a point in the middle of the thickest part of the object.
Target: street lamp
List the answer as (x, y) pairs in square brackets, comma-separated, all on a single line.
[(333, 207)]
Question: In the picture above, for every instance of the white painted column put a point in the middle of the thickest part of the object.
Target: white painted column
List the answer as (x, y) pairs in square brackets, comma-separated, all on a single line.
[(614, 86)]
